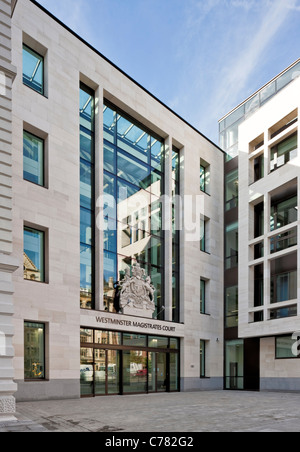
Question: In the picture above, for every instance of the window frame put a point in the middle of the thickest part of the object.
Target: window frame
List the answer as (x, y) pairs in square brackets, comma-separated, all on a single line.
[(276, 348), (43, 260), (44, 378), (42, 140), (29, 49)]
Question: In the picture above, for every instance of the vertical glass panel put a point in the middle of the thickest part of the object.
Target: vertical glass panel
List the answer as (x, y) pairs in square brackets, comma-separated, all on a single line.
[(135, 371), (231, 306), (202, 359), (202, 235), (110, 278), (86, 182), (152, 385), (202, 296), (156, 252), (86, 145), (132, 139), (86, 109), (34, 255), (157, 154), (231, 248), (113, 372), (86, 230), (157, 281), (86, 371), (34, 351), (100, 372), (268, 92), (86, 263), (133, 171), (232, 190), (235, 365), (161, 370), (33, 159), (33, 70), (174, 372), (109, 158), (109, 122), (86, 336)]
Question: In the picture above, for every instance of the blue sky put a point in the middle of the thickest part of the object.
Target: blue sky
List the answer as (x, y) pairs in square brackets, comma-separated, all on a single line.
[(200, 57)]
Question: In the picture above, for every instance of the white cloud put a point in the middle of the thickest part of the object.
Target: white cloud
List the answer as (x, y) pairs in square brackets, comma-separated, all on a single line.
[(242, 64)]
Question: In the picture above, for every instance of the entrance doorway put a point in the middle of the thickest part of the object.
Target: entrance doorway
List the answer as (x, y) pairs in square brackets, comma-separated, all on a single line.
[(107, 371), (158, 374), (114, 363)]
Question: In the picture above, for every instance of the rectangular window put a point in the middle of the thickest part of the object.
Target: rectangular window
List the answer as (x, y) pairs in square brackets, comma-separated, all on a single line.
[(284, 152), (175, 235), (87, 208), (33, 159), (284, 212), (286, 347), (34, 351), (202, 296), (284, 284), (202, 359), (204, 176), (283, 241), (232, 243), (34, 255), (232, 190), (203, 235), (231, 306), (33, 70)]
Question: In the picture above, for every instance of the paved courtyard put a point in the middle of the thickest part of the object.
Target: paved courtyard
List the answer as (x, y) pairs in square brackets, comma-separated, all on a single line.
[(185, 412)]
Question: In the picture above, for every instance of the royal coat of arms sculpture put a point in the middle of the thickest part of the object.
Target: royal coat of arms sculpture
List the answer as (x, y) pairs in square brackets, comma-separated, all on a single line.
[(137, 293)]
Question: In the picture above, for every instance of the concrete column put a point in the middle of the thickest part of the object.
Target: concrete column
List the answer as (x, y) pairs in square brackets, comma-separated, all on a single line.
[(7, 263)]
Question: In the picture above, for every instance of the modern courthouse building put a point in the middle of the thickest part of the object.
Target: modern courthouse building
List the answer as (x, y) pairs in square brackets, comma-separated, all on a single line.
[(119, 272)]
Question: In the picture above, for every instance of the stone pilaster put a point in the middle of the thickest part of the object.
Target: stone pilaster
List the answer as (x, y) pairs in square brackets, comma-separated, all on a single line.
[(7, 263)]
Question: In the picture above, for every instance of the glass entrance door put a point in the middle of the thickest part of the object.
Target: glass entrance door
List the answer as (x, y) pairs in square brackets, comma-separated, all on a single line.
[(107, 372), (158, 374)]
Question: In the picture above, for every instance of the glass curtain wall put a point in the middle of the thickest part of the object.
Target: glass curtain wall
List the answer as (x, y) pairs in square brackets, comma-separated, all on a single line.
[(134, 183), (175, 234), (87, 203), (125, 363)]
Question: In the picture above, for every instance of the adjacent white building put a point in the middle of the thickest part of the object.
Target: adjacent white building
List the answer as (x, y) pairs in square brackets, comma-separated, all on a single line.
[(115, 254)]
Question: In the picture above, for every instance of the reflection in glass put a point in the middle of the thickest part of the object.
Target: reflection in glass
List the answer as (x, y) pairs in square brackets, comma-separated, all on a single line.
[(86, 371), (34, 351), (135, 371), (87, 209), (234, 365), (85, 276), (34, 269), (33, 70), (33, 159), (133, 165)]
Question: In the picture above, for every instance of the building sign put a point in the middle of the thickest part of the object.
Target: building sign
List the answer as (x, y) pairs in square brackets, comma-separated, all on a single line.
[(136, 324)]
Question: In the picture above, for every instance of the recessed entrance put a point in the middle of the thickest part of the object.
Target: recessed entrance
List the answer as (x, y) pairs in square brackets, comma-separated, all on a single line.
[(115, 363)]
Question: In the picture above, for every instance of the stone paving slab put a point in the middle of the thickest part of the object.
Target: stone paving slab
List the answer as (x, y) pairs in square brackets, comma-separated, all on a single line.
[(172, 413)]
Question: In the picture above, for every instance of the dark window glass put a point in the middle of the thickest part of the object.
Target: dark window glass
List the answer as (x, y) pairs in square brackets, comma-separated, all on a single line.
[(33, 159), (202, 296), (33, 70), (34, 351), (231, 306), (34, 255), (202, 359)]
